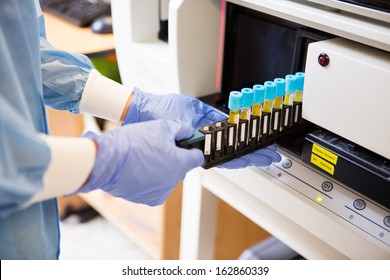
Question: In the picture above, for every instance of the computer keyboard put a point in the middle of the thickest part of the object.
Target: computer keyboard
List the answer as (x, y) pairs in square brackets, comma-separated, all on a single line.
[(79, 12)]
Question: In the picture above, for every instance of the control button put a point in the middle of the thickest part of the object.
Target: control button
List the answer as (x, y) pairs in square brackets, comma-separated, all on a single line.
[(359, 204), (327, 186), (287, 163), (323, 59), (386, 220)]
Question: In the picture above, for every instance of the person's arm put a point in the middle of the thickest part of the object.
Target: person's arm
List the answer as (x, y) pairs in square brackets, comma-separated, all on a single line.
[(71, 162), (105, 98), (25, 158), (35, 167), (71, 83), (121, 162)]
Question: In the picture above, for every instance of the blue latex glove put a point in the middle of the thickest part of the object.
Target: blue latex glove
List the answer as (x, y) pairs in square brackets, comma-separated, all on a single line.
[(141, 162), (260, 158), (147, 106)]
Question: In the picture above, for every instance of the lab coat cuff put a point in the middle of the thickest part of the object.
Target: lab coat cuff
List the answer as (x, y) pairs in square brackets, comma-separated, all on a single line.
[(72, 160), (103, 97)]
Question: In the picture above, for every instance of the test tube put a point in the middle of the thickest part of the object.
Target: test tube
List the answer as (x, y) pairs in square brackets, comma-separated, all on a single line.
[(269, 96), (258, 99), (299, 78), (234, 106), (288, 101), (246, 103), (290, 89), (298, 96), (266, 115), (245, 132), (280, 92)]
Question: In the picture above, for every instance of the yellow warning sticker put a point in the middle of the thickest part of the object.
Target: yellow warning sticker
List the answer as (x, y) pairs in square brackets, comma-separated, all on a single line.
[(325, 154), (323, 164)]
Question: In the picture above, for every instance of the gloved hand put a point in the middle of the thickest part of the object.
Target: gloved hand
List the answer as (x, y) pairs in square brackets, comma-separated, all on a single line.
[(147, 106), (141, 162), (260, 158)]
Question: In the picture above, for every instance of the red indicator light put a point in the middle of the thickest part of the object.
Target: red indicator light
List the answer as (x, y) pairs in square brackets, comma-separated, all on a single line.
[(323, 59)]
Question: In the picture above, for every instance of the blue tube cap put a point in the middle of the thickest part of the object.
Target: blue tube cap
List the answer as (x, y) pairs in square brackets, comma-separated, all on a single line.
[(291, 83), (247, 97), (258, 93), (235, 100), (270, 89), (300, 79), (280, 86)]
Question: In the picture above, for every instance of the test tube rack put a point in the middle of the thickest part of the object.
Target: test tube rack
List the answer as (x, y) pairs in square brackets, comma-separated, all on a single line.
[(223, 141)]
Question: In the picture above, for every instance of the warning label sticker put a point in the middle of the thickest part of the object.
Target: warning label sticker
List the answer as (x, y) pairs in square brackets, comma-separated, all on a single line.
[(321, 163), (325, 154)]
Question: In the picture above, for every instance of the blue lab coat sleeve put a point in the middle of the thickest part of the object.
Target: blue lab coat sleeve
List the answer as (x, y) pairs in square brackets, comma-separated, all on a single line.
[(64, 75)]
